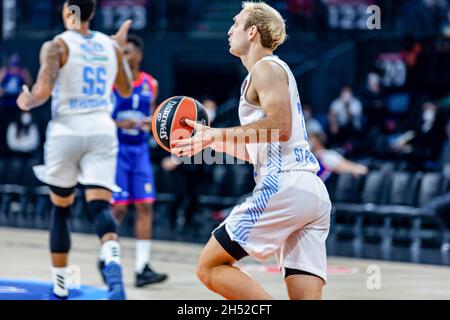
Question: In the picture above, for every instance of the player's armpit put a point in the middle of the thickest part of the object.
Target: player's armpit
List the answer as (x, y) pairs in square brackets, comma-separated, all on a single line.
[(271, 84), (124, 82)]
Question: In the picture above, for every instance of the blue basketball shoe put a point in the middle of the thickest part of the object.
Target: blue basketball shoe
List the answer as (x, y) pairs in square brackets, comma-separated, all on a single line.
[(113, 276)]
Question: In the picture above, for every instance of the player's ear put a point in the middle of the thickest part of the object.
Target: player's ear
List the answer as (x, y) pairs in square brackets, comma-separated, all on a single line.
[(252, 31)]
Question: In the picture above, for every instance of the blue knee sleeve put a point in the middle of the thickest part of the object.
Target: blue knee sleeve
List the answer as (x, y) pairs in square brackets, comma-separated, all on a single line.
[(59, 230), (101, 217)]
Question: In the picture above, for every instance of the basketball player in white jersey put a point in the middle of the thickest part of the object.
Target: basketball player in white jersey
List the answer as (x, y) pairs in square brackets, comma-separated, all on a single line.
[(288, 213), (78, 70)]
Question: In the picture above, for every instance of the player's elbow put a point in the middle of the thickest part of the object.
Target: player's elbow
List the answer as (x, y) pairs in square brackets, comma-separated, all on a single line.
[(281, 133), (282, 121), (285, 134), (285, 129), (125, 91)]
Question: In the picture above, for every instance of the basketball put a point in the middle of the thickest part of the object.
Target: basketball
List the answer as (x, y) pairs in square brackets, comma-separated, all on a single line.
[(168, 120)]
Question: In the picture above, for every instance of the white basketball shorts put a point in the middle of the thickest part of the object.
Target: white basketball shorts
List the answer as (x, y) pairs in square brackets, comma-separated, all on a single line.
[(287, 215), (87, 159)]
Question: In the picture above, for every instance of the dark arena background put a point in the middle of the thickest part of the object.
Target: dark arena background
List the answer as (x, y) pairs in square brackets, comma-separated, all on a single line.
[(374, 81)]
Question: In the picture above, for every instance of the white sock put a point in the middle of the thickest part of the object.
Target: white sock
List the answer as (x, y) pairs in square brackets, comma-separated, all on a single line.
[(142, 254), (101, 256), (59, 276), (111, 251)]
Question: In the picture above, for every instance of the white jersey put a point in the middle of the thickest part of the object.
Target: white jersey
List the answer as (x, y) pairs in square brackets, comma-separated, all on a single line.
[(273, 158), (81, 98), (81, 145)]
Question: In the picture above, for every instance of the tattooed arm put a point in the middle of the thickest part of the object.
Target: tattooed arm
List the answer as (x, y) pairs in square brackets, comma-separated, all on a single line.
[(51, 57)]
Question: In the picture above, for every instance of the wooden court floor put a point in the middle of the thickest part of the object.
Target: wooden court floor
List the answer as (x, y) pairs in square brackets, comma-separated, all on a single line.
[(24, 255)]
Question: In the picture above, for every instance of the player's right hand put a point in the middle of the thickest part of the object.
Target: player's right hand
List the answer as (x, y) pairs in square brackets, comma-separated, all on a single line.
[(128, 124), (122, 35), (204, 137), (23, 101)]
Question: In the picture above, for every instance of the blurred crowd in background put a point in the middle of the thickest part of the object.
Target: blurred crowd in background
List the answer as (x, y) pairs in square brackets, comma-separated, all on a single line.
[(397, 112), (318, 17)]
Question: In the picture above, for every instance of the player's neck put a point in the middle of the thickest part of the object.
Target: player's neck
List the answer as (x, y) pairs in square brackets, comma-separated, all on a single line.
[(84, 29), (254, 55)]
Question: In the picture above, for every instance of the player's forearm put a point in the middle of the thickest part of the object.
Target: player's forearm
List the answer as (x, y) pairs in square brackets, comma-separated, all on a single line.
[(38, 97), (48, 74), (124, 80), (122, 124), (126, 124), (266, 130), (238, 151), (35, 102), (126, 69)]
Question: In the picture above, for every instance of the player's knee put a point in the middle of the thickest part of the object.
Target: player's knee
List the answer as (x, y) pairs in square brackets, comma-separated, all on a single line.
[(101, 217), (204, 273), (121, 210), (62, 197), (94, 192), (62, 202), (119, 213), (144, 209)]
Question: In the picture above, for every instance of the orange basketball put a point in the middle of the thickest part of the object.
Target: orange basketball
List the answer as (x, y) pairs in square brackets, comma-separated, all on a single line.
[(168, 120)]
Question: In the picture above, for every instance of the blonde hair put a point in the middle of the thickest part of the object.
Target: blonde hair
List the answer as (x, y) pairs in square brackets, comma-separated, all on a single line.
[(268, 21)]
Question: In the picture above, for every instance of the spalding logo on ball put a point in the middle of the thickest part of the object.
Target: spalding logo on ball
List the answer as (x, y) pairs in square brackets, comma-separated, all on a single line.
[(168, 120)]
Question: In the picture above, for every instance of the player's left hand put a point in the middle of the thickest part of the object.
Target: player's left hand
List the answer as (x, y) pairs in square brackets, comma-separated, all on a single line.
[(23, 101), (204, 136)]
